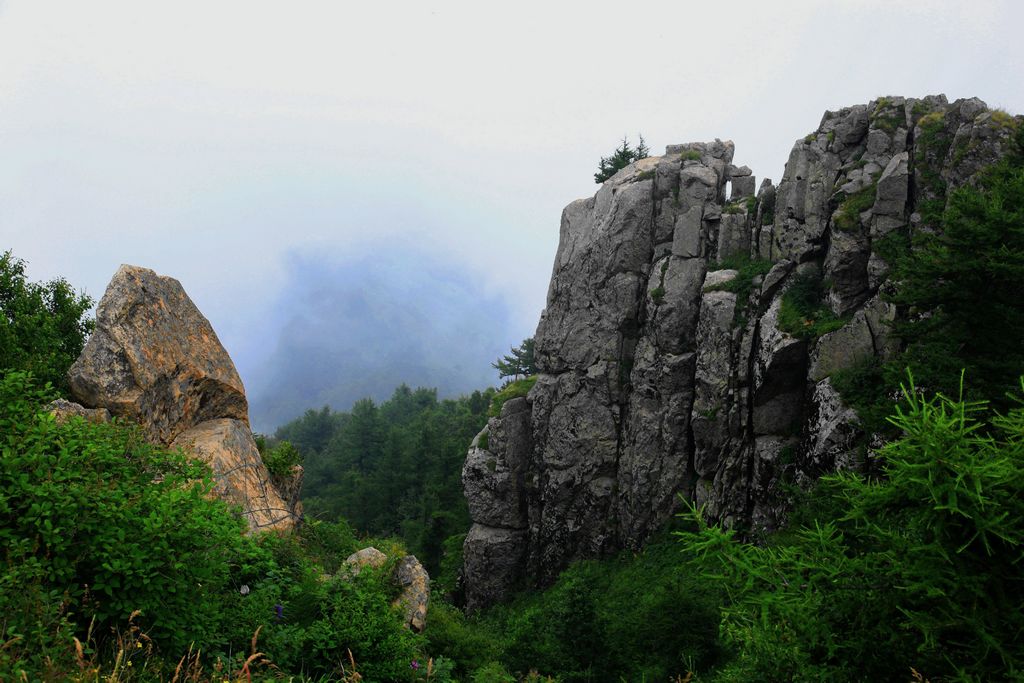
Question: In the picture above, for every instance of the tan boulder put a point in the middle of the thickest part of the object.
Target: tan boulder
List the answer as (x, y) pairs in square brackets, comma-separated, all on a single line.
[(155, 359), (367, 557), (63, 410), (227, 446)]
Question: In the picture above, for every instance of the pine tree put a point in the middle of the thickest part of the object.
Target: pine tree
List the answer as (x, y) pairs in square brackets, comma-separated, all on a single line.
[(623, 156), (519, 362)]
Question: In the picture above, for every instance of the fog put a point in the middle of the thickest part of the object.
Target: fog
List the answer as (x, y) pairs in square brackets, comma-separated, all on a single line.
[(349, 326)]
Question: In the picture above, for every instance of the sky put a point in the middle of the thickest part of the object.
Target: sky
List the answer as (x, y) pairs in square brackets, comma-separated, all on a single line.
[(276, 156)]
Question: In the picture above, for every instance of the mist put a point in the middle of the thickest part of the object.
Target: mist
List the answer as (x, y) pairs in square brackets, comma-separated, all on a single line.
[(357, 325)]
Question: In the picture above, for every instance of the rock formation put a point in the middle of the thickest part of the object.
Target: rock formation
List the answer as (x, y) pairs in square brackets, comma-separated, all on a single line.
[(663, 370), (155, 360)]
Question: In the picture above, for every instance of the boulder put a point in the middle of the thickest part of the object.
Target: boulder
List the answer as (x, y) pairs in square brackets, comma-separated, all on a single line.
[(408, 574), (367, 557), (494, 564), (227, 446), (154, 359)]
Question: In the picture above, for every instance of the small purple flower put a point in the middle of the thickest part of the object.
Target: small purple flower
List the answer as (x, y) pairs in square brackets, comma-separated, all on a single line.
[(280, 612), (414, 664)]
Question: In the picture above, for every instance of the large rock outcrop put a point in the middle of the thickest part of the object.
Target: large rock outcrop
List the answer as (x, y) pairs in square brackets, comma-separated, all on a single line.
[(664, 369), (154, 359)]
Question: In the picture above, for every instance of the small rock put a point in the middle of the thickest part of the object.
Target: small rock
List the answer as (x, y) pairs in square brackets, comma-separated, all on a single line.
[(367, 557), (63, 410)]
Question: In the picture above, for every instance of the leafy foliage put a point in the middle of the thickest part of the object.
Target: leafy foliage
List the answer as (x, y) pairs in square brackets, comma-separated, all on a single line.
[(913, 569), (623, 156), (95, 524), (43, 326), (747, 270), (847, 217), (393, 469), (104, 535), (280, 457)]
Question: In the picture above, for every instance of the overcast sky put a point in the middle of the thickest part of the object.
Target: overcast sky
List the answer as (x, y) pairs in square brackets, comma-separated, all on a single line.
[(225, 142)]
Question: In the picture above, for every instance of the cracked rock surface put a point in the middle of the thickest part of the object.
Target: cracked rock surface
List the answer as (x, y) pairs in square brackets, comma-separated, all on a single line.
[(154, 359), (660, 376)]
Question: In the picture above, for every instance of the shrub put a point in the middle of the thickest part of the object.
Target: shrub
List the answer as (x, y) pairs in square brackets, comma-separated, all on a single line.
[(961, 288), (632, 617), (96, 524), (743, 284), (802, 313), (43, 326), (281, 459), (914, 568)]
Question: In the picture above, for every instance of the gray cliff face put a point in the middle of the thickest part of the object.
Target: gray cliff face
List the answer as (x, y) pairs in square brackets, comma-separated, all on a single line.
[(659, 378)]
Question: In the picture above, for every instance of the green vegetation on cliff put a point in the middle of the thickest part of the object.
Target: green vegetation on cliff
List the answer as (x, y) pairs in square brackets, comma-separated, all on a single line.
[(920, 567)]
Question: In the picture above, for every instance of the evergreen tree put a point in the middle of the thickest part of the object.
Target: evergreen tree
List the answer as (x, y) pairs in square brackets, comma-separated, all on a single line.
[(623, 156), (961, 289), (519, 362)]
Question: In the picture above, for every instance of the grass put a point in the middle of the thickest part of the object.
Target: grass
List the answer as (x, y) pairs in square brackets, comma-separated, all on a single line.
[(802, 313), (690, 155), (889, 121), (520, 387), (1004, 119), (645, 175), (743, 284), (847, 218)]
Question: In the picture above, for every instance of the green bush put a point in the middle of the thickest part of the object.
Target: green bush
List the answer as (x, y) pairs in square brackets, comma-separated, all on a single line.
[(915, 568), (102, 533), (961, 288), (742, 285), (471, 645), (95, 524), (847, 217), (281, 459), (43, 326)]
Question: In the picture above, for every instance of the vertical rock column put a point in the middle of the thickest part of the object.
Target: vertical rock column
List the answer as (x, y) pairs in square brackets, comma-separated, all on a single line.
[(494, 552)]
